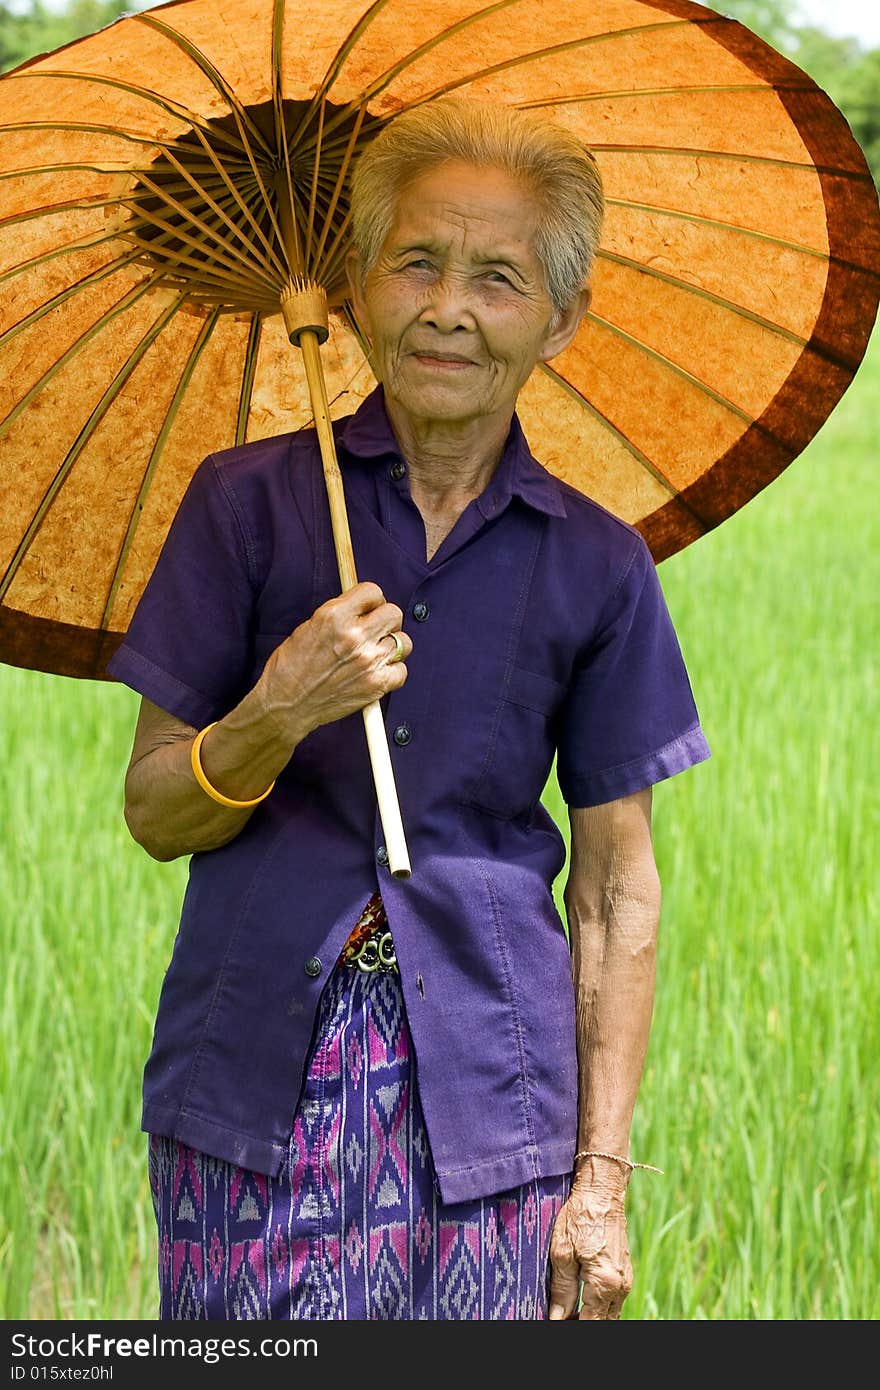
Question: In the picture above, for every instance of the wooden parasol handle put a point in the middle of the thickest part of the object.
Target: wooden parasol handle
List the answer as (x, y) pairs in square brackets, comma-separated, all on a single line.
[(374, 725)]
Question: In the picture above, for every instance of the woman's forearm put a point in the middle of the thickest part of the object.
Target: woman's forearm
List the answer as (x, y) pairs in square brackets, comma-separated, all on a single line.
[(613, 905), (329, 667), (167, 812)]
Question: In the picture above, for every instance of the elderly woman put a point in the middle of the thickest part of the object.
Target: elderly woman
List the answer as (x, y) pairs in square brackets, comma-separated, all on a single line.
[(372, 1097)]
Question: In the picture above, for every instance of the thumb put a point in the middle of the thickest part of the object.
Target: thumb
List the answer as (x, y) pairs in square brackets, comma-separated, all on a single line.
[(564, 1287)]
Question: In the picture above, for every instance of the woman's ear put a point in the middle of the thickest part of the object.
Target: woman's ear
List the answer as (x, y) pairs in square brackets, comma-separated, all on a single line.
[(565, 324), (356, 289)]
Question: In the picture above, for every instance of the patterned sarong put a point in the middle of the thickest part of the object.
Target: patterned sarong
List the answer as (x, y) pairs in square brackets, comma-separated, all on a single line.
[(353, 1226)]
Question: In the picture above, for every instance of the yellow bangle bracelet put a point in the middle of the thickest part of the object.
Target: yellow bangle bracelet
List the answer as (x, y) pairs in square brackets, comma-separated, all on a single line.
[(195, 758)]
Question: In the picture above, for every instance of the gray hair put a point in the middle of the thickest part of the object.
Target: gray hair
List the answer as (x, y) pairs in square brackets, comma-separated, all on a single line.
[(553, 163)]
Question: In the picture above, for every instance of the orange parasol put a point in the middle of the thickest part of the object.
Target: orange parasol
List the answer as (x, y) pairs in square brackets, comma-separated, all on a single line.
[(173, 205)]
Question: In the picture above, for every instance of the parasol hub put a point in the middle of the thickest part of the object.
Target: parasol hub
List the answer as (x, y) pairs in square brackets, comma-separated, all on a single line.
[(304, 306)]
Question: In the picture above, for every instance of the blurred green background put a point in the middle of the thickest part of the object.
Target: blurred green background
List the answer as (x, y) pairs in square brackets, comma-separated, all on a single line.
[(760, 1096)]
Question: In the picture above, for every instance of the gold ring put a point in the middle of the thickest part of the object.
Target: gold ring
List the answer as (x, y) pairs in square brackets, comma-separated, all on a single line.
[(398, 647)]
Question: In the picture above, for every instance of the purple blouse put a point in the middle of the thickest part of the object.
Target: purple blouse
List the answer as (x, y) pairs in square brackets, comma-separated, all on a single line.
[(538, 627)]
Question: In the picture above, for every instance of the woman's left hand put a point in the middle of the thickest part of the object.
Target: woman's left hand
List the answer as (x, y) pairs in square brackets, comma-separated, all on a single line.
[(589, 1244)]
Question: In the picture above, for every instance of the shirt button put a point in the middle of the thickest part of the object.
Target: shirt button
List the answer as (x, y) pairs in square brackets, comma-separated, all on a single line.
[(313, 966), (398, 471), (382, 856), (420, 611), (402, 735)]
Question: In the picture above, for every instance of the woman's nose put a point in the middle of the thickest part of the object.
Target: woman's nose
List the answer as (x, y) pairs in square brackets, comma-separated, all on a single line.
[(448, 305)]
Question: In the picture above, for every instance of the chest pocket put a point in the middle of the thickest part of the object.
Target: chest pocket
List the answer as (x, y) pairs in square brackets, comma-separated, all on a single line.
[(521, 747)]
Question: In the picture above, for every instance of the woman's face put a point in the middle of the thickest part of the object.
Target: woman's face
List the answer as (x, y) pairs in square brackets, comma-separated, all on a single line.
[(456, 306)]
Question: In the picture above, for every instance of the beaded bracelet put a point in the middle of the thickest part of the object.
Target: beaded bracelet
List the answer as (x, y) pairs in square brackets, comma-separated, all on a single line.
[(616, 1158), (199, 773)]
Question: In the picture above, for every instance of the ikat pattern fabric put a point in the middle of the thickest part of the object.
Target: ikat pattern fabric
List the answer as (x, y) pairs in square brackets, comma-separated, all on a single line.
[(352, 1228)]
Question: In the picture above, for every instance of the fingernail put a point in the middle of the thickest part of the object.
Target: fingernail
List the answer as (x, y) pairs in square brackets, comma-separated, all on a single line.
[(557, 1312)]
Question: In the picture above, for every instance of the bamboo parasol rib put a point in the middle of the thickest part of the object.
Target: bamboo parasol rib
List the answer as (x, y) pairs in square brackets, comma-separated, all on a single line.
[(174, 204)]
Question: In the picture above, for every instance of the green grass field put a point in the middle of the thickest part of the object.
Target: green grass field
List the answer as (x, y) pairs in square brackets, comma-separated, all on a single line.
[(761, 1094)]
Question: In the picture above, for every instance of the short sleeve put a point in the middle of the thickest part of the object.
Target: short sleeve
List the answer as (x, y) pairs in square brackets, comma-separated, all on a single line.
[(629, 719), (189, 645)]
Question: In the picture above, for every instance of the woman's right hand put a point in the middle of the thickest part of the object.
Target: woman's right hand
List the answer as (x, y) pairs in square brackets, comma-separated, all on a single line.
[(335, 663), (330, 666)]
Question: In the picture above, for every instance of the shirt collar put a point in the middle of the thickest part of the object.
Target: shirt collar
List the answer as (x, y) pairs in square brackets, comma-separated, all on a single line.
[(368, 435)]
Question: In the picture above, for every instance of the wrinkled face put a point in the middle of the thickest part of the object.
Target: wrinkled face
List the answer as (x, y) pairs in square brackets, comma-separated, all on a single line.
[(456, 306)]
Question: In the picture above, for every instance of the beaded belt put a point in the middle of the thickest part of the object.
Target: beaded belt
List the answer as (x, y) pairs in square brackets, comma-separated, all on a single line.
[(370, 946)]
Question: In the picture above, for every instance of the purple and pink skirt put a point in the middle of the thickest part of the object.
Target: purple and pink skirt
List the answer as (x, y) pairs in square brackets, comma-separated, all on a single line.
[(353, 1226)]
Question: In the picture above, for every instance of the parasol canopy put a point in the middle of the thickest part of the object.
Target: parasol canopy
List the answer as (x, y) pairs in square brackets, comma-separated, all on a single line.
[(164, 181)]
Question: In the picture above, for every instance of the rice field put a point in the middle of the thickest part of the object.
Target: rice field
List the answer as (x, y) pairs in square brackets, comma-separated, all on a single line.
[(761, 1093)]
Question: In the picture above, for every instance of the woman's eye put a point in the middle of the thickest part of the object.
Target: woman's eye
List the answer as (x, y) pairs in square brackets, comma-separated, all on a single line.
[(420, 264), (498, 277)]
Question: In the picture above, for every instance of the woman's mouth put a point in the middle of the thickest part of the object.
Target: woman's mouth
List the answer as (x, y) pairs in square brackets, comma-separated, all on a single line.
[(443, 362)]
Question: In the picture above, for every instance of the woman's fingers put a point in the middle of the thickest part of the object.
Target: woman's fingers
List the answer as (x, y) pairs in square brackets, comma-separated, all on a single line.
[(379, 624), (361, 598), (381, 621), (589, 1246), (607, 1276), (568, 1249), (564, 1284), (616, 1307), (350, 626), (359, 619), (341, 659), (396, 645), (604, 1293)]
